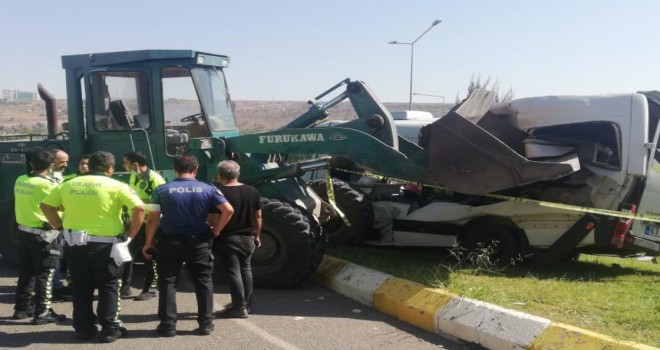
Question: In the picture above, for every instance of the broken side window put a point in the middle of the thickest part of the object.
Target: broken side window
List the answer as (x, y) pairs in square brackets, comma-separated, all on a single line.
[(598, 143)]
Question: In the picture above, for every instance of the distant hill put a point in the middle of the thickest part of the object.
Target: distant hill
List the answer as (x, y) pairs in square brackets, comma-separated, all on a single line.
[(20, 117), (257, 116)]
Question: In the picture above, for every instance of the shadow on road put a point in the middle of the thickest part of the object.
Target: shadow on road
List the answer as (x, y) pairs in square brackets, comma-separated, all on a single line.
[(277, 309)]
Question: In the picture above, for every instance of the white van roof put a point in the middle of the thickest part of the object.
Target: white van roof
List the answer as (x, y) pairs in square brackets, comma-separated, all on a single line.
[(541, 111), (411, 115)]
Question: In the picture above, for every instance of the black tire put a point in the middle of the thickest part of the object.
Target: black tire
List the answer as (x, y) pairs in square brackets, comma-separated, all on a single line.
[(356, 207), (320, 241), (498, 243), (291, 246)]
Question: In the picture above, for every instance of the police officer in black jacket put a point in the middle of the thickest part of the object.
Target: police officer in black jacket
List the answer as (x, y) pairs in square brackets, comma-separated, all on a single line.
[(185, 236)]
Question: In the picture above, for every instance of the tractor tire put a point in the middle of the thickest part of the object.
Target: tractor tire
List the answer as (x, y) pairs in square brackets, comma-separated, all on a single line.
[(498, 243), (291, 246), (356, 207), (320, 241)]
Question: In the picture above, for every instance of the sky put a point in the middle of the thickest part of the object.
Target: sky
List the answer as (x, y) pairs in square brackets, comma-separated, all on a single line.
[(295, 49)]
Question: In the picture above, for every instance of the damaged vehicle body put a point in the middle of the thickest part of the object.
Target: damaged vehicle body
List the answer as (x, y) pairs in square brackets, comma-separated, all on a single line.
[(544, 158)]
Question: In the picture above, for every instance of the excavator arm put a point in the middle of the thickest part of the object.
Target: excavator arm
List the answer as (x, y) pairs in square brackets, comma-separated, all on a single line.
[(364, 149), (457, 153)]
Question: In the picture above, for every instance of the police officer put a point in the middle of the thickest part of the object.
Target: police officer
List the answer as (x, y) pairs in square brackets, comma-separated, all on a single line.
[(83, 168), (37, 250), (92, 225), (143, 181), (185, 237)]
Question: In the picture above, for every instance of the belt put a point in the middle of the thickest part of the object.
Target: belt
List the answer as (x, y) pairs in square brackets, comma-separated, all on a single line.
[(33, 230), (100, 239), (92, 238), (185, 236)]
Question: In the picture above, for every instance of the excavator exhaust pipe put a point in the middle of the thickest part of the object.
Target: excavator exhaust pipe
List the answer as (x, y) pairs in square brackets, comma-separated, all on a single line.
[(51, 110)]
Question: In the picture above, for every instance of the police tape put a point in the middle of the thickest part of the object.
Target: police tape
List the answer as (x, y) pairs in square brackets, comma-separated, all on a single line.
[(331, 198), (576, 208)]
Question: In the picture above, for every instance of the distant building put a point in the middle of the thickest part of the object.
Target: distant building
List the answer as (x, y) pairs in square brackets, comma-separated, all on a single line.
[(17, 95)]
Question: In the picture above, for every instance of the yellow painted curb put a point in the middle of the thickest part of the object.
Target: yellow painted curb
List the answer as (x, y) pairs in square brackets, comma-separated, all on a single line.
[(327, 270), (562, 336), (411, 302)]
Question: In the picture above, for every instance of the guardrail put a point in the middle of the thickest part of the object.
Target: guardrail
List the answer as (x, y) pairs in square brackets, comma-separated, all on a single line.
[(23, 137)]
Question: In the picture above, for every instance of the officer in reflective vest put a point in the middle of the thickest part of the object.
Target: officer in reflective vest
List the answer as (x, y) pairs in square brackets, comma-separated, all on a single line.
[(93, 229), (143, 181), (38, 252), (185, 238), (83, 168)]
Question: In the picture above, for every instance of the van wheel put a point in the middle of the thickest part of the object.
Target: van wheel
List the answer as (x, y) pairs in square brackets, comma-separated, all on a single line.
[(491, 243), (354, 204), (291, 246)]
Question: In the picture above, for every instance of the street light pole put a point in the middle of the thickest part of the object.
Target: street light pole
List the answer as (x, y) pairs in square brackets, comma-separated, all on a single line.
[(412, 53), (438, 96)]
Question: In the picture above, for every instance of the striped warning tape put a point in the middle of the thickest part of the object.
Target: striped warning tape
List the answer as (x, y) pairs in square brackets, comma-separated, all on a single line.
[(331, 198), (614, 213)]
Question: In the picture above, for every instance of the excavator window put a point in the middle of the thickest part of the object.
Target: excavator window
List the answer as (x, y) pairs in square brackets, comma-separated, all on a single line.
[(182, 110), (118, 97)]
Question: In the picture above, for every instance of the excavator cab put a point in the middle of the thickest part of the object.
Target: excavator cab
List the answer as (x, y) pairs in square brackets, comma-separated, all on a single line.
[(162, 102), (166, 103)]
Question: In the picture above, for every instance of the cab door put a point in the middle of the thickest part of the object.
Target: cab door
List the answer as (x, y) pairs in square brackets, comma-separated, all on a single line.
[(119, 118), (650, 202)]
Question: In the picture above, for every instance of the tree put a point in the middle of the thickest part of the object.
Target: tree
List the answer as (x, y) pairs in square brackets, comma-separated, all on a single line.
[(475, 83)]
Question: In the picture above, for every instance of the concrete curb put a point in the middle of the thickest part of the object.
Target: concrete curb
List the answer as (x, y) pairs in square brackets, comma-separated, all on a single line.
[(441, 312)]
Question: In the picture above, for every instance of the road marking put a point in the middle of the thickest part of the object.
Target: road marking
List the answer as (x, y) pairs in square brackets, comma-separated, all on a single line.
[(262, 333)]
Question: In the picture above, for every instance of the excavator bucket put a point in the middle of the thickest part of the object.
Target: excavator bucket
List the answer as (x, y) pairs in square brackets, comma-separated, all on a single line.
[(468, 159)]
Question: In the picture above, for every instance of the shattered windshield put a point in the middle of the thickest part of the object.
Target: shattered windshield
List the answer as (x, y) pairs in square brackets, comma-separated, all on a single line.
[(215, 98)]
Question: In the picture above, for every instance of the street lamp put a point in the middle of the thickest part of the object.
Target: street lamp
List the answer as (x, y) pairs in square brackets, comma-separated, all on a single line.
[(412, 50), (438, 96)]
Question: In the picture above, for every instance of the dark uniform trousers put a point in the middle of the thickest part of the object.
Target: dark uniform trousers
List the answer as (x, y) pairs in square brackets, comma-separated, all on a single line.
[(151, 277), (235, 254), (36, 267), (91, 267), (195, 251)]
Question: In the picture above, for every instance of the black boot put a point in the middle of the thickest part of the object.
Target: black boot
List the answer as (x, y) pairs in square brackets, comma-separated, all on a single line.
[(109, 335), (125, 291), (205, 330), (234, 312), (48, 316), (165, 330)]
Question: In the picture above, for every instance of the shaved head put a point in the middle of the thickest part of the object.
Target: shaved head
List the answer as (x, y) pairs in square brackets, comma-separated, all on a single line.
[(61, 160)]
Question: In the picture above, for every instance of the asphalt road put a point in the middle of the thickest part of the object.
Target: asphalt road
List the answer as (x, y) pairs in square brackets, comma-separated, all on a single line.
[(309, 317)]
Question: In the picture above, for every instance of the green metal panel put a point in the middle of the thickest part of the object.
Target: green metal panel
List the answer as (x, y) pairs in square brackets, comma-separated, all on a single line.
[(356, 145), (131, 57)]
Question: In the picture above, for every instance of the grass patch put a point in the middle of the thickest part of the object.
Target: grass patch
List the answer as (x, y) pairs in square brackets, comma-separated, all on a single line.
[(613, 296)]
